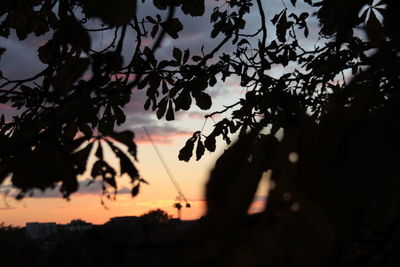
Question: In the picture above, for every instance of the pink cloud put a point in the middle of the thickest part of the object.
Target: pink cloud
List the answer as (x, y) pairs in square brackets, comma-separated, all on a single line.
[(162, 139), (5, 107)]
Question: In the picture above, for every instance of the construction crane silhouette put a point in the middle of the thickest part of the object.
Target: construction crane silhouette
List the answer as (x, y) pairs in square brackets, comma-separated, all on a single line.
[(180, 197)]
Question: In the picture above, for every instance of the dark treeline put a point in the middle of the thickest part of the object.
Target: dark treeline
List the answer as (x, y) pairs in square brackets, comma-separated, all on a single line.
[(150, 240)]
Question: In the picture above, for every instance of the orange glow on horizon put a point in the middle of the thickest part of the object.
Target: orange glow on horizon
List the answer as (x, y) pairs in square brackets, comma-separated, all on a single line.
[(88, 207)]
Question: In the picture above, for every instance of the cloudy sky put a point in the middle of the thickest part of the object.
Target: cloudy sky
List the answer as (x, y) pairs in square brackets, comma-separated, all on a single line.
[(21, 61)]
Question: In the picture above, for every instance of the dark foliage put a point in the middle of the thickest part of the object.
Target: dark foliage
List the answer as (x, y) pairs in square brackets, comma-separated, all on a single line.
[(16, 249), (326, 128)]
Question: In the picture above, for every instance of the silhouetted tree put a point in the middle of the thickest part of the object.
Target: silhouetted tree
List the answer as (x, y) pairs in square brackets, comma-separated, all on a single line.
[(156, 216), (326, 127), (16, 249)]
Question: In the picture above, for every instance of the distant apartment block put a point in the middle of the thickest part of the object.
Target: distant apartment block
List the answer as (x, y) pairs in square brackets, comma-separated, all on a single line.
[(40, 231), (123, 220), (37, 231), (78, 226)]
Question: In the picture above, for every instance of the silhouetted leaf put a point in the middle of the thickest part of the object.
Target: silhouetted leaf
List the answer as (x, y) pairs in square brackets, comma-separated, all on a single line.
[(135, 190), (70, 130), (81, 158), (186, 56), (71, 32), (86, 130), (147, 104), (162, 106), (282, 26), (172, 27), (126, 138), (68, 73), (101, 168), (126, 165), (4, 171), (375, 30), (99, 151), (47, 51), (177, 53), (199, 149), (183, 101), (161, 4), (170, 112), (212, 81), (275, 19), (45, 166), (117, 12), (196, 58), (2, 50), (193, 7), (210, 143), (203, 101), (187, 151), (154, 30)]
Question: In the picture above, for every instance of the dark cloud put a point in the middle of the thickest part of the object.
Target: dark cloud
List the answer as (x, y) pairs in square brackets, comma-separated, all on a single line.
[(85, 188), (20, 60)]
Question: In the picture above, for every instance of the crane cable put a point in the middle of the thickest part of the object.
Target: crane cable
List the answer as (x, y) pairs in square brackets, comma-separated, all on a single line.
[(170, 175)]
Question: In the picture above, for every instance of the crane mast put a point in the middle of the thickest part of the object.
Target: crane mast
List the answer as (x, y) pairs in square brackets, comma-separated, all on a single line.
[(178, 189)]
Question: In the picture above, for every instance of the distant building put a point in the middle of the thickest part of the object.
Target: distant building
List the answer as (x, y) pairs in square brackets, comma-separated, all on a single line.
[(78, 226), (123, 220), (183, 224), (38, 231)]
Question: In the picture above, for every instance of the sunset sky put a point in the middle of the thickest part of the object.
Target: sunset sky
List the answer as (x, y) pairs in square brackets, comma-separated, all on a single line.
[(160, 193), (20, 61)]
